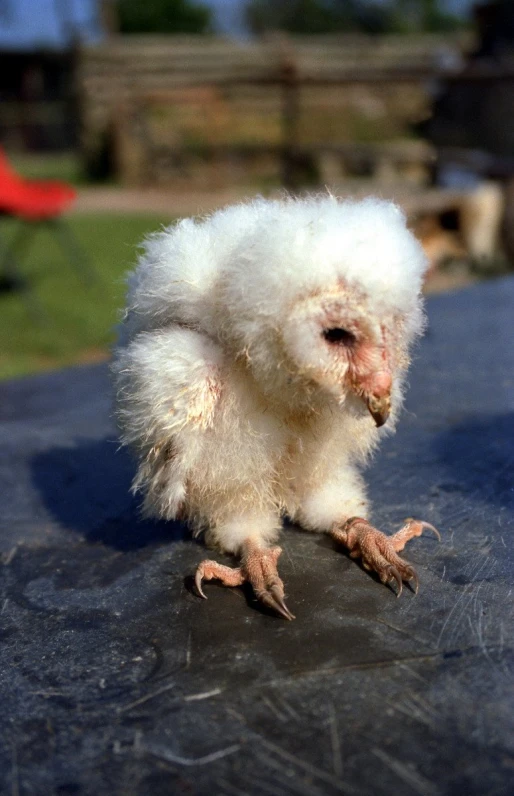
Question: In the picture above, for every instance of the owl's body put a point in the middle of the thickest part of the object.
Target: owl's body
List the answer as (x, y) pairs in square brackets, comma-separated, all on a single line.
[(261, 348)]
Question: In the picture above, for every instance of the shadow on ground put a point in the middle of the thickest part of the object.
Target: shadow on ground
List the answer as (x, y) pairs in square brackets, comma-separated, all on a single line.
[(477, 458), (86, 488)]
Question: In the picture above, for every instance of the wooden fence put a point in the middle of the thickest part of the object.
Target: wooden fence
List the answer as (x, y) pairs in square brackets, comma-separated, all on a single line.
[(162, 104)]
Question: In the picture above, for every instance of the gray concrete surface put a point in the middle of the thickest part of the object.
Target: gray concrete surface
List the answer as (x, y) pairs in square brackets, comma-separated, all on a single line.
[(116, 679)]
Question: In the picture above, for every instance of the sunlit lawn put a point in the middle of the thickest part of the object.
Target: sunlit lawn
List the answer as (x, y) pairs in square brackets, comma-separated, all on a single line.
[(48, 166), (78, 320)]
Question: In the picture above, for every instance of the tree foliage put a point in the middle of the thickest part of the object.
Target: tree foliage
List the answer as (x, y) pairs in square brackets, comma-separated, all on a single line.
[(428, 16), (163, 16), (368, 16)]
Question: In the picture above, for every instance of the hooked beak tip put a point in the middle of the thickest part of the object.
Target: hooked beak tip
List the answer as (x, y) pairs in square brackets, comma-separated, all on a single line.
[(380, 418), (379, 409)]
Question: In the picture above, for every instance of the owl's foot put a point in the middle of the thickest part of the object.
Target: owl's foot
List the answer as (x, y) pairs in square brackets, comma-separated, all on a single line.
[(258, 567), (380, 552)]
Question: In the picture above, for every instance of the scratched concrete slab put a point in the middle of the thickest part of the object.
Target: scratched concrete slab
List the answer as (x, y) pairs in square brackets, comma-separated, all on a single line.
[(115, 679)]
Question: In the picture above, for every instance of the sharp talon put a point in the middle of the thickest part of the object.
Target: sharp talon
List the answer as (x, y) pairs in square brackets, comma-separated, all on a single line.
[(283, 610), (430, 527), (198, 585), (276, 603), (395, 575), (413, 575), (424, 526), (277, 596)]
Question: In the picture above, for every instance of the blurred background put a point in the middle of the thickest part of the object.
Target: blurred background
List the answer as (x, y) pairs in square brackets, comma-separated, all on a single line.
[(142, 112)]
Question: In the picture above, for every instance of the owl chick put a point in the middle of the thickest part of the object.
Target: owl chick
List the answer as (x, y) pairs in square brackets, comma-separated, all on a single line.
[(261, 356)]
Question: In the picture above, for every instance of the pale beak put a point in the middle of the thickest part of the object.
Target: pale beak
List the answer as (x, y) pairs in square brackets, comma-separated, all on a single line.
[(379, 408)]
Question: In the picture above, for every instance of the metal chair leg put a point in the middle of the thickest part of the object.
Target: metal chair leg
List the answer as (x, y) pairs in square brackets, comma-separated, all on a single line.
[(72, 248), (12, 277)]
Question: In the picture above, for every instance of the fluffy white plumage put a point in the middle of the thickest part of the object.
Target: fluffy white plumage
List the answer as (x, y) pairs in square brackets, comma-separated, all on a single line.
[(257, 344)]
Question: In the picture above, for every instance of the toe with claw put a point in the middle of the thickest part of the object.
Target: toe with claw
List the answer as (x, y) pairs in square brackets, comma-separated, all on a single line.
[(258, 567), (380, 552)]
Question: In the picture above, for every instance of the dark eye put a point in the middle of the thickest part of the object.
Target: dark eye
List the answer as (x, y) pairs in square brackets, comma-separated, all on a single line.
[(338, 336)]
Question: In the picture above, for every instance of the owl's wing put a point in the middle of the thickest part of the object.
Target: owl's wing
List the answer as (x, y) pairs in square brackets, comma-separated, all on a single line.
[(168, 386)]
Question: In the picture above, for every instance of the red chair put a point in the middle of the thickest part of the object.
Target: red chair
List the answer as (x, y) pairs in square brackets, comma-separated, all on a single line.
[(35, 204)]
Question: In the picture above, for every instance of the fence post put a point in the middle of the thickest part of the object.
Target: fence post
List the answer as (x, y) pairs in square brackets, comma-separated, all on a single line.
[(290, 117)]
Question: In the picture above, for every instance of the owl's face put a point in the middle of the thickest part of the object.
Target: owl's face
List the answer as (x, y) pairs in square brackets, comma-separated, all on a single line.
[(331, 339)]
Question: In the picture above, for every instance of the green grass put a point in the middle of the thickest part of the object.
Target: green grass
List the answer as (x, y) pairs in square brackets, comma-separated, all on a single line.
[(79, 320), (64, 166)]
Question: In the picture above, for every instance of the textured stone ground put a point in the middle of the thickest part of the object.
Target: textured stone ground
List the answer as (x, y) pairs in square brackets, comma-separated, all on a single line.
[(116, 679)]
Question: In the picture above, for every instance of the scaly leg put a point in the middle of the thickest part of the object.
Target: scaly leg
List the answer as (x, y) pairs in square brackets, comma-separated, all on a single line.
[(380, 552), (258, 567)]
